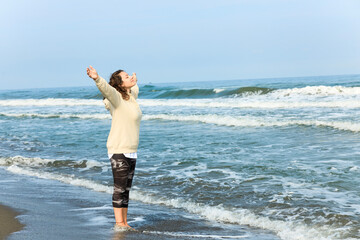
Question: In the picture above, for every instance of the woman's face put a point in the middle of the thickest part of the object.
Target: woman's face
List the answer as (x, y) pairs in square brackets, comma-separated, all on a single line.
[(128, 81)]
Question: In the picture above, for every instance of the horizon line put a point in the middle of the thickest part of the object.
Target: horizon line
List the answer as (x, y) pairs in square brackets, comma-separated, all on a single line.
[(242, 79)]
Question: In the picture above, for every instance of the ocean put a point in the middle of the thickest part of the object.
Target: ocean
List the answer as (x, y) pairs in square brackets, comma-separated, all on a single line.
[(275, 158)]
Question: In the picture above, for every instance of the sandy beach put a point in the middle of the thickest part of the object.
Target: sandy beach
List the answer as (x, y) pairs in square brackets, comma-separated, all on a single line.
[(8, 221)]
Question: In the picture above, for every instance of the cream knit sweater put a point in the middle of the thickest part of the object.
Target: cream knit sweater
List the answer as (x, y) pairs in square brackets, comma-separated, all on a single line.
[(126, 116)]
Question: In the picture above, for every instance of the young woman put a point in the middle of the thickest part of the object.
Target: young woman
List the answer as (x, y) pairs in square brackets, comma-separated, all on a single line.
[(120, 96)]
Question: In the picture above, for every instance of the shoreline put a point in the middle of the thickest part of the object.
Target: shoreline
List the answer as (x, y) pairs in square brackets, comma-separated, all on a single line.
[(8, 221), (50, 207)]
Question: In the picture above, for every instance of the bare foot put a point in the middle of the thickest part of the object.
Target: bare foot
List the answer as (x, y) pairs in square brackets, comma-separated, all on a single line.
[(123, 227), (131, 228)]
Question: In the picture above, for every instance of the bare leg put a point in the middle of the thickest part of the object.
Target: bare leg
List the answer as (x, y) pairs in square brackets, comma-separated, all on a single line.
[(119, 217), (124, 212)]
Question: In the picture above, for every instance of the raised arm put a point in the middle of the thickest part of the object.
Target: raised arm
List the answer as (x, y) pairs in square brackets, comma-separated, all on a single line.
[(135, 89), (106, 90)]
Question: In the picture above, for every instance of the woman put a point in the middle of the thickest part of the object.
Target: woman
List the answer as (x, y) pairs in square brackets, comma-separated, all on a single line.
[(123, 140)]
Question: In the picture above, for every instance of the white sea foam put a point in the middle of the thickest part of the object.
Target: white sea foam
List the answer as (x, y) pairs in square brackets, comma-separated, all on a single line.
[(69, 179), (239, 103), (318, 90), (339, 97), (347, 201), (40, 115), (288, 230), (217, 90), (194, 171), (210, 119), (188, 172), (354, 168), (185, 235), (137, 219), (40, 162), (254, 122), (51, 102), (24, 161)]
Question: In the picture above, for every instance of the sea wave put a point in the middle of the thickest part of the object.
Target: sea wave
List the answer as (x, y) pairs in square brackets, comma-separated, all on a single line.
[(248, 91), (254, 122), (219, 94), (237, 103), (40, 115), (51, 102), (268, 103), (287, 230), (198, 103), (319, 91), (209, 93), (231, 121), (51, 163)]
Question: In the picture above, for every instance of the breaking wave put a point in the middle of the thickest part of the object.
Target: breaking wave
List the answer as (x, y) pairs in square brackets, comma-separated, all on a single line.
[(254, 122), (230, 121)]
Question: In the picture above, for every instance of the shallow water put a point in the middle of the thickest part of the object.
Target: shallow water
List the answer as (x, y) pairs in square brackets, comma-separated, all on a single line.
[(274, 154)]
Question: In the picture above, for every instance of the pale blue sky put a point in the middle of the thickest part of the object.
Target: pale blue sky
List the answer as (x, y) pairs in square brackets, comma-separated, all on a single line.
[(48, 43)]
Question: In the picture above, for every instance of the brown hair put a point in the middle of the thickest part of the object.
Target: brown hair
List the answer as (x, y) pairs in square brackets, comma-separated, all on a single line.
[(116, 81)]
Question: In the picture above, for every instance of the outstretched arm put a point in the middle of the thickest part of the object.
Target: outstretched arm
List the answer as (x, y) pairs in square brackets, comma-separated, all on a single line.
[(107, 91), (135, 89)]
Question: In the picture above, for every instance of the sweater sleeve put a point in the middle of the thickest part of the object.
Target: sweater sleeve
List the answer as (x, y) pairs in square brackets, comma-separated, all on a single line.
[(107, 104), (135, 91), (108, 91)]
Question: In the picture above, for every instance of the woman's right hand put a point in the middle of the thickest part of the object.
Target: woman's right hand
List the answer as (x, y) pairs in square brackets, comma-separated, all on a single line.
[(91, 72)]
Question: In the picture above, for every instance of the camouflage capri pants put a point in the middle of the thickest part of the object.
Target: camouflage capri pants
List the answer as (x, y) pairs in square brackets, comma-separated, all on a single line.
[(123, 170)]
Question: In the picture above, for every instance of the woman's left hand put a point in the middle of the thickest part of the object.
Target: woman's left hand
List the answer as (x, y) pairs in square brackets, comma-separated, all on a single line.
[(134, 77)]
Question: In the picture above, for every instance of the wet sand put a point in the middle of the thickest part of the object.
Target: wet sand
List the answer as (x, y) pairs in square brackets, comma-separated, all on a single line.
[(8, 221)]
